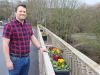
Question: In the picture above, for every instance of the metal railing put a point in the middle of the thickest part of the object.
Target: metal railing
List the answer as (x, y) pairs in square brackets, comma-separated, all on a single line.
[(79, 63)]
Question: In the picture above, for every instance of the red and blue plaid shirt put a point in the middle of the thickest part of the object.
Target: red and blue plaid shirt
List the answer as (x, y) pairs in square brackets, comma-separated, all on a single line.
[(19, 35)]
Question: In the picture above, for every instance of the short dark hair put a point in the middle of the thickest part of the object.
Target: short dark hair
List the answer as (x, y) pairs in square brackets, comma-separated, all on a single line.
[(23, 5)]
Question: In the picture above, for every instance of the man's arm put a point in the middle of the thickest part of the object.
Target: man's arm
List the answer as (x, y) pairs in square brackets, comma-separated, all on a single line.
[(37, 44), (6, 53), (35, 41)]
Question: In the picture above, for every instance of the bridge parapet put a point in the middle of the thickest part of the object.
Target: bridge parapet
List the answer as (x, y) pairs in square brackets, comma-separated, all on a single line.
[(45, 65), (80, 64)]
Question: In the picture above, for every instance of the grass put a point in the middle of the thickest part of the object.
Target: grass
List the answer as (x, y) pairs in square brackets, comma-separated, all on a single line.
[(87, 39), (90, 43)]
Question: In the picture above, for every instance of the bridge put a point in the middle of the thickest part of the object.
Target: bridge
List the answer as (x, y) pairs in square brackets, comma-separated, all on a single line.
[(79, 63)]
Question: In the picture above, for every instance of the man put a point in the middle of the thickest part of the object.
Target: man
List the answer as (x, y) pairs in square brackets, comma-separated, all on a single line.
[(16, 43)]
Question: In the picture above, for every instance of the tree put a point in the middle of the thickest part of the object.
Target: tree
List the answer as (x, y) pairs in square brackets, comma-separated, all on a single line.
[(5, 8)]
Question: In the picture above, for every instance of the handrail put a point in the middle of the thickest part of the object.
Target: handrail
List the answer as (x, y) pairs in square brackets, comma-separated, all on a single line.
[(46, 60)]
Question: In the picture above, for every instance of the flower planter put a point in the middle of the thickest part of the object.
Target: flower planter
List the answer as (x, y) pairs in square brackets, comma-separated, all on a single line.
[(41, 30), (62, 72), (44, 35), (44, 38), (59, 65)]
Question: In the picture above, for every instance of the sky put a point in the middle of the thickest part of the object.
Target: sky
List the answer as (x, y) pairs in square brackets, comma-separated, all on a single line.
[(16, 0), (92, 2)]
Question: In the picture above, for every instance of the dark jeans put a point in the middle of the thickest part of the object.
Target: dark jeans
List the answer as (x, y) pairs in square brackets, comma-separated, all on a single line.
[(21, 66)]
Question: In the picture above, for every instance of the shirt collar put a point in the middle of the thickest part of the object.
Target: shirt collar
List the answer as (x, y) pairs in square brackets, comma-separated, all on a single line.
[(16, 21)]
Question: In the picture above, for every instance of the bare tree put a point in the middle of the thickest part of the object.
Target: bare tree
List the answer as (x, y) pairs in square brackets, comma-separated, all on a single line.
[(5, 10)]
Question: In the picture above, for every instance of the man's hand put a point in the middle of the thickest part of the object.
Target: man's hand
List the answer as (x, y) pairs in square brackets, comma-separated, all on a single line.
[(9, 64), (42, 49)]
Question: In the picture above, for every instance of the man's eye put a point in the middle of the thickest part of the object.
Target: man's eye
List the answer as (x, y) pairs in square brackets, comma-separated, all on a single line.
[(24, 12), (20, 11)]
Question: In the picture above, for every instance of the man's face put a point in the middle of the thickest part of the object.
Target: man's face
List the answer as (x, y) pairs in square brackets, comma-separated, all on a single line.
[(21, 13)]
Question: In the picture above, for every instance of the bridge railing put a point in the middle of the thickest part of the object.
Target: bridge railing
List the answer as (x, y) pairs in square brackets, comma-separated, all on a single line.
[(45, 66), (80, 64)]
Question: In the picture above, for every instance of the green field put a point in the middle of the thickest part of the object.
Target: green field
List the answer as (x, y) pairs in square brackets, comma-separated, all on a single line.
[(88, 44)]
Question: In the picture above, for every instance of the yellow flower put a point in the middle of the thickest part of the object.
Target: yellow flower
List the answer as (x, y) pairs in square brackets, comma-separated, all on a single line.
[(61, 60), (55, 48), (58, 51), (44, 33)]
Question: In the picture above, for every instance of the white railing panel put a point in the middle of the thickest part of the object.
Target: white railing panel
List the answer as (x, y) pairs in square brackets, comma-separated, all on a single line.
[(44, 60)]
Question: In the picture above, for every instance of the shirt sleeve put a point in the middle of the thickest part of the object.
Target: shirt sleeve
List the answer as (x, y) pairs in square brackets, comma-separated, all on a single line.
[(32, 31), (7, 31)]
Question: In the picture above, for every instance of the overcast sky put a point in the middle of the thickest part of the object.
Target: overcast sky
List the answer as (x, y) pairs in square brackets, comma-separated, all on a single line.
[(92, 2)]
